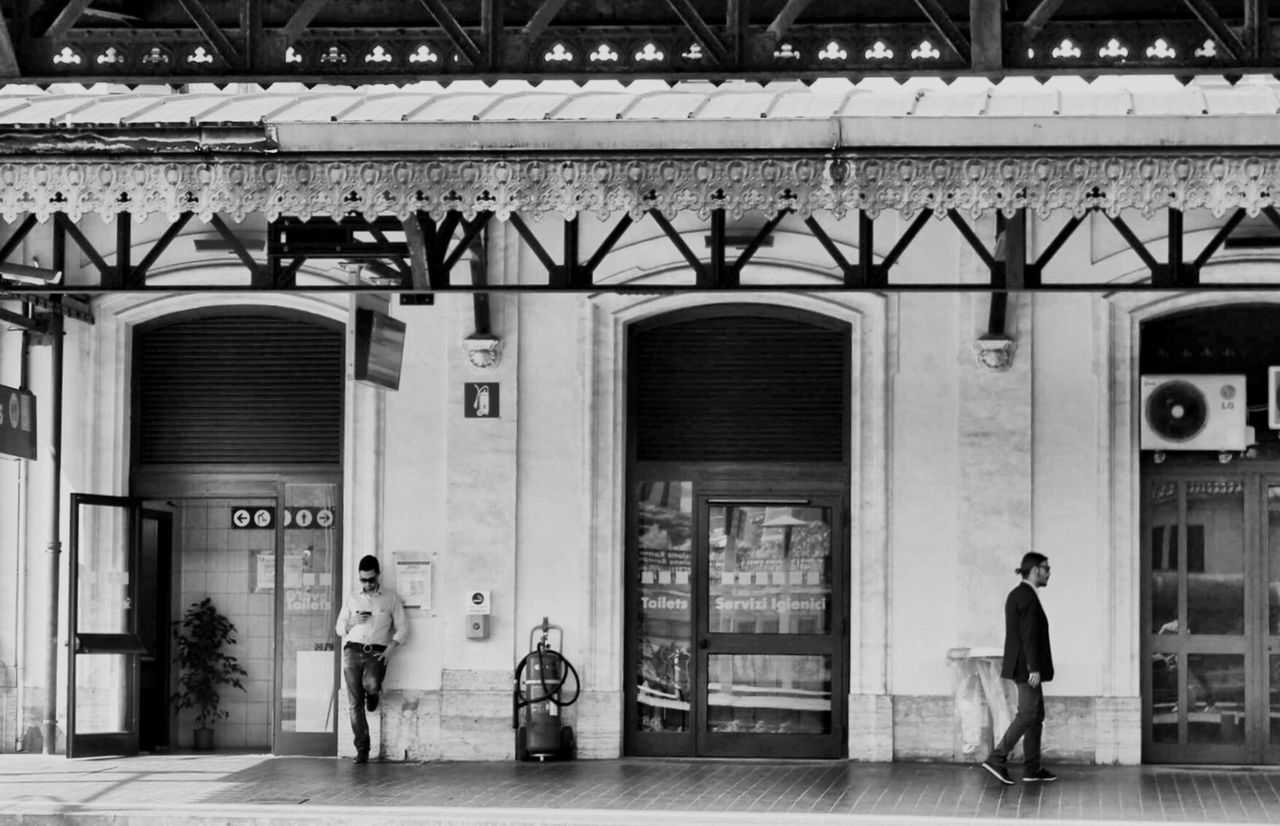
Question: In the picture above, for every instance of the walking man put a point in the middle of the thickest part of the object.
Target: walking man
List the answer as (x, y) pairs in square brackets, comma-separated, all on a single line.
[(1029, 663), (372, 622)]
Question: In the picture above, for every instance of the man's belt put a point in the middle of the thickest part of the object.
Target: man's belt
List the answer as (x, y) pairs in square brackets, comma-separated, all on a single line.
[(366, 647)]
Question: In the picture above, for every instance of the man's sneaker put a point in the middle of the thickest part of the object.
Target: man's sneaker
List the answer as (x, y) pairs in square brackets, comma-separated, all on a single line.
[(362, 756), (1040, 776), (371, 702), (999, 772)]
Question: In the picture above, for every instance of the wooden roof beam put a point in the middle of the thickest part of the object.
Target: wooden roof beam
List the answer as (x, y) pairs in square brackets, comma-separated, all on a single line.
[(8, 57), (453, 30), (1218, 28), (542, 18), (947, 28), (1039, 16), (986, 28), (701, 31), (786, 16), (301, 18), (1256, 29), (213, 34), (66, 18)]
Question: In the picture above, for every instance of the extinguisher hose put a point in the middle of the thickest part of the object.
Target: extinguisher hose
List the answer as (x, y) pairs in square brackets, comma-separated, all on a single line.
[(552, 690)]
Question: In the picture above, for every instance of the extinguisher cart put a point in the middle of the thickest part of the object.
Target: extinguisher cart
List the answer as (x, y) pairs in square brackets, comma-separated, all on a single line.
[(540, 695)]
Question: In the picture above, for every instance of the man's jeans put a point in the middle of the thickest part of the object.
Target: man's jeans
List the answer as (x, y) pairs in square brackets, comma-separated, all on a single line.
[(363, 673), (1027, 724)]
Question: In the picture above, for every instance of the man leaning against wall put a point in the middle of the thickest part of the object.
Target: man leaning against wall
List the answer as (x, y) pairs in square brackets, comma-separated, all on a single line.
[(372, 625)]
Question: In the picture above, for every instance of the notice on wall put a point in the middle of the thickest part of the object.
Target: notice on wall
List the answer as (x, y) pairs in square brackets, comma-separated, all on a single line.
[(413, 580), (315, 691)]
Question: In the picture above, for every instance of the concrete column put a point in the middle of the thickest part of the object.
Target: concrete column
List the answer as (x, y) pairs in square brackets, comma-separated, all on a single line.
[(994, 436)]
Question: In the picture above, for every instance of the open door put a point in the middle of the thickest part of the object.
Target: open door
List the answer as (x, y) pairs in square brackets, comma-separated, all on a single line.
[(105, 651)]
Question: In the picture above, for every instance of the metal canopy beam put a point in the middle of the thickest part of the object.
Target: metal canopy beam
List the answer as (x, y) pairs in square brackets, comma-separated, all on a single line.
[(382, 41)]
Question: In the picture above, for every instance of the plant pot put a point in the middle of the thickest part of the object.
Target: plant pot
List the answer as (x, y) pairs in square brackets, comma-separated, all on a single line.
[(202, 739)]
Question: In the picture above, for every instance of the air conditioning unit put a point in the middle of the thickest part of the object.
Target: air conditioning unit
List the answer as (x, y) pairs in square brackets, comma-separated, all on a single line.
[(1189, 412)]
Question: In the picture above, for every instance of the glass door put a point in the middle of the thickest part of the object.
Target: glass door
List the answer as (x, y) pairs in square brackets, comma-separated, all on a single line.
[(306, 582), (770, 628), (1201, 681), (102, 664), (1270, 623)]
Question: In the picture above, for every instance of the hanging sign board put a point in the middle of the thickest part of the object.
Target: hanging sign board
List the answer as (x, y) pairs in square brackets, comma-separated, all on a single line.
[(17, 422)]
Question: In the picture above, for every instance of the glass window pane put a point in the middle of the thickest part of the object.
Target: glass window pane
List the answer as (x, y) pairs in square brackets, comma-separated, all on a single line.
[(102, 605), (664, 535), (769, 694), (102, 694), (1273, 711), (1273, 559), (1164, 698), (1215, 698), (1215, 557), (309, 661), (1163, 537), (769, 570)]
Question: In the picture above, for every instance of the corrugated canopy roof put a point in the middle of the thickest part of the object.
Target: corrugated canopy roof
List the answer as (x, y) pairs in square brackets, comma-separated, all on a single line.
[(692, 115)]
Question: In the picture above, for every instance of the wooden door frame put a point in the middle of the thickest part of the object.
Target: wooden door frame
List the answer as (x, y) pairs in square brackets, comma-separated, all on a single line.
[(826, 481), (126, 643), (1252, 644)]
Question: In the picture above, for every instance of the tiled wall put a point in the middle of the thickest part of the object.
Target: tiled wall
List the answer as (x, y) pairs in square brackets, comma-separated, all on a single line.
[(215, 560)]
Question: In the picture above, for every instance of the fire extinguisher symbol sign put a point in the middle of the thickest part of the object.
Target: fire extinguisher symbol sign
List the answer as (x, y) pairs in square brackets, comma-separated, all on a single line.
[(481, 400)]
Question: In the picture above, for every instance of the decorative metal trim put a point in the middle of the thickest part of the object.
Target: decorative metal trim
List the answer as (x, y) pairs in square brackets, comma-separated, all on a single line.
[(967, 184), (484, 352), (995, 352)]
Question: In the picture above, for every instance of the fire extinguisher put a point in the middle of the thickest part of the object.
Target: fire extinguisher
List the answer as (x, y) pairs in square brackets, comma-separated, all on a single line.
[(540, 693)]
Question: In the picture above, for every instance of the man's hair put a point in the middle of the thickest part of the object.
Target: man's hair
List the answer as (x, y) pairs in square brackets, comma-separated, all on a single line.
[(369, 562), (1030, 560)]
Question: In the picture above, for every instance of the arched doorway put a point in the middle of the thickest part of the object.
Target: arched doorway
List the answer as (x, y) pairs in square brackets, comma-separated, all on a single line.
[(1210, 554), (737, 535), (237, 439)]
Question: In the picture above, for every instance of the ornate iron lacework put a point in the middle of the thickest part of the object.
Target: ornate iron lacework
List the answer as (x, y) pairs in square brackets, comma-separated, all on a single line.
[(966, 184)]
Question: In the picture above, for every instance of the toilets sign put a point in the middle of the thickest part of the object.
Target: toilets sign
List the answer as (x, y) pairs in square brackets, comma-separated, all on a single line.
[(17, 423)]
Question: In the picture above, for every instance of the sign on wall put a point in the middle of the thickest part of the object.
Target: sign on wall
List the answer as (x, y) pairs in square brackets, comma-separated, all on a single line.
[(253, 516), (308, 518), (481, 400), (17, 422)]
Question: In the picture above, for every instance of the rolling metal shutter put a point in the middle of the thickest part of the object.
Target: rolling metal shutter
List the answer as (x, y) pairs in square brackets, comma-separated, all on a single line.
[(243, 389), (739, 388)]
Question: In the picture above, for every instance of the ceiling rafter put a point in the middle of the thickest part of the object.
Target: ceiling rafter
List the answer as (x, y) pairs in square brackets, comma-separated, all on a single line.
[(453, 30), (542, 18), (8, 57), (1039, 16), (66, 18), (301, 18), (700, 30), (217, 39), (786, 16), (1222, 33), (947, 28)]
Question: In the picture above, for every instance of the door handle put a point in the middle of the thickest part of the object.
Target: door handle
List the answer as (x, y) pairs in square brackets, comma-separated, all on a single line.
[(702, 644)]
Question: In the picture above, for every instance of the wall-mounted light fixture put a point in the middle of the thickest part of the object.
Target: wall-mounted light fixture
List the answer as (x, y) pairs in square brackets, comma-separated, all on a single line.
[(25, 274)]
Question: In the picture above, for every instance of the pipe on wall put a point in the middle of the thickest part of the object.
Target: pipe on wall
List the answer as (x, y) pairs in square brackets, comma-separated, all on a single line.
[(54, 548), (20, 579)]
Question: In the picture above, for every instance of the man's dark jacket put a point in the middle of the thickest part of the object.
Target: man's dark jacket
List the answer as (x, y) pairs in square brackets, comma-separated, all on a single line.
[(1026, 636)]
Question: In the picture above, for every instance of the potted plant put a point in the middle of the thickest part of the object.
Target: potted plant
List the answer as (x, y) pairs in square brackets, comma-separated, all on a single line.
[(204, 666)]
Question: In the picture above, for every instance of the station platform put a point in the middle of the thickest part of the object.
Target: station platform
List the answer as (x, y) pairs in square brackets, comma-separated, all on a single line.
[(244, 789)]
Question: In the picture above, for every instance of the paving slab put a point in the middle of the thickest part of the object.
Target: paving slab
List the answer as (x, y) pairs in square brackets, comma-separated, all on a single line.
[(200, 789)]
